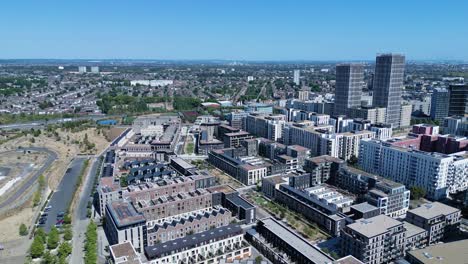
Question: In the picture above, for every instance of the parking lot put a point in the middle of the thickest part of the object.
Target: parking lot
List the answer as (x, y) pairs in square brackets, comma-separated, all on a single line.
[(63, 195)]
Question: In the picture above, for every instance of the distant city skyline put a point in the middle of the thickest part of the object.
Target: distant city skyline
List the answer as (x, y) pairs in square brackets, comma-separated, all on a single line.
[(239, 30)]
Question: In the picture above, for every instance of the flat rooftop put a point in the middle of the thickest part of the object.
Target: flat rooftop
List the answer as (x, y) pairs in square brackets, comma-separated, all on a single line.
[(434, 209), (364, 207), (348, 260), (325, 158), (374, 226), (124, 213), (447, 253), (184, 164), (412, 230), (295, 241), (124, 254)]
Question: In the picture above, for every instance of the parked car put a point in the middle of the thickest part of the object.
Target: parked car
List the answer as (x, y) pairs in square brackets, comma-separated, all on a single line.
[(47, 208), (60, 214)]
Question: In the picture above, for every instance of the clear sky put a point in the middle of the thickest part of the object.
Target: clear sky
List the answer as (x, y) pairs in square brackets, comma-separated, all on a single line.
[(237, 29)]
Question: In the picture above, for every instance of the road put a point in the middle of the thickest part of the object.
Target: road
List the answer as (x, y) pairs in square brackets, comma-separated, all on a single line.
[(43, 123), (80, 219), (52, 156), (64, 193)]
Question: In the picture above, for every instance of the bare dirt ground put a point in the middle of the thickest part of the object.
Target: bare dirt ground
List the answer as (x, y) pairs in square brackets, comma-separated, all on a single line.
[(67, 145), (20, 164)]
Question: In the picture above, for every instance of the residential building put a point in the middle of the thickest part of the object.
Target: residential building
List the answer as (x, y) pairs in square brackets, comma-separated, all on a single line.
[(439, 104), (210, 246), (436, 218), (266, 126), (124, 223), (390, 197), (279, 243), (297, 76), (186, 224), (237, 119), (382, 131), (379, 239), (233, 140), (348, 89), (322, 168), (405, 115), (458, 100), (452, 252), (373, 114), (456, 125), (433, 172), (388, 85)]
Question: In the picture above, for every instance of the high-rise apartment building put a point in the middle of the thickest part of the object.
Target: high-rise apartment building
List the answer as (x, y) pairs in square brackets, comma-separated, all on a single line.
[(439, 104), (297, 76), (349, 81), (388, 84)]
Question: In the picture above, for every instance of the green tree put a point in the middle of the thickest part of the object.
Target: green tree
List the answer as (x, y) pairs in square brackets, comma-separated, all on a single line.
[(37, 198), (23, 230), (53, 238), (64, 250), (67, 219), (68, 233), (417, 192), (37, 247), (49, 258), (40, 233), (91, 244)]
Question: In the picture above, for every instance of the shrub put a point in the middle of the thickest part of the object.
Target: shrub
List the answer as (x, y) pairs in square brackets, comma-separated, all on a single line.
[(23, 230)]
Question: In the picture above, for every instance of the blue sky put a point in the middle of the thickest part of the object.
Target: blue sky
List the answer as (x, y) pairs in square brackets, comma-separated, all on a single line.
[(238, 29)]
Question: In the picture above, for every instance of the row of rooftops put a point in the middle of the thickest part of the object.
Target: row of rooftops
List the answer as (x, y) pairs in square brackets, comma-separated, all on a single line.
[(192, 241), (190, 218), (170, 198)]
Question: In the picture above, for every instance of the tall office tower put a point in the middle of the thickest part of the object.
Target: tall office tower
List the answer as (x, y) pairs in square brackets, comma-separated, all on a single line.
[(349, 81), (388, 84), (297, 75), (458, 100), (439, 104)]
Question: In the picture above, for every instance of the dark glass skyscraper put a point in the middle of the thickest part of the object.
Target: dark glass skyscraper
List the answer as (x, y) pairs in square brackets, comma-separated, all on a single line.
[(458, 100), (388, 84), (349, 81)]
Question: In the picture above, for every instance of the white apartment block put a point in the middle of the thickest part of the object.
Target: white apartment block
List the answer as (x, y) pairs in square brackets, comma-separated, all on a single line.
[(341, 145), (437, 173), (382, 132), (405, 115)]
